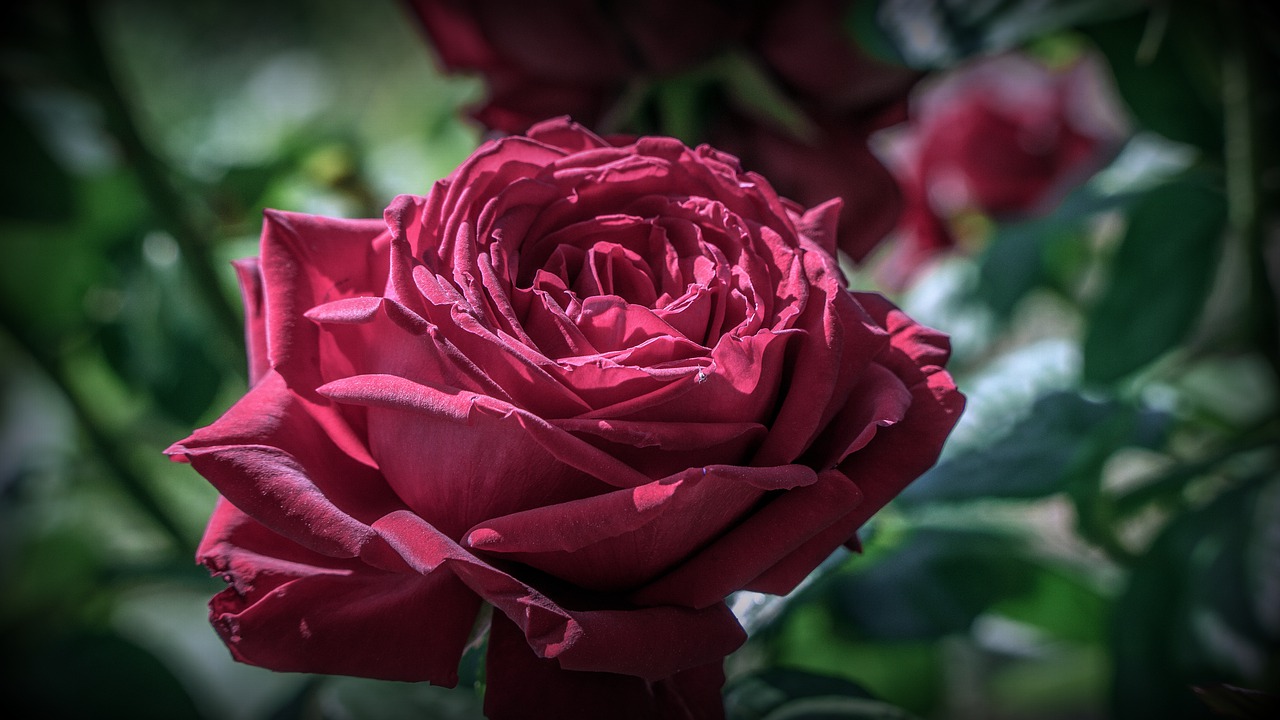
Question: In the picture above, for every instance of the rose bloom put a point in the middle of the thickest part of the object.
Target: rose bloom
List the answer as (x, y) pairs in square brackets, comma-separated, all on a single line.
[(1007, 137), (596, 385), (544, 58)]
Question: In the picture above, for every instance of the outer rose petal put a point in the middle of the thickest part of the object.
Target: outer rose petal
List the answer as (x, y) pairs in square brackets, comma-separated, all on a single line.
[(408, 441), (255, 323), (768, 536), (308, 260), (295, 465), (659, 641), (311, 613), (537, 689)]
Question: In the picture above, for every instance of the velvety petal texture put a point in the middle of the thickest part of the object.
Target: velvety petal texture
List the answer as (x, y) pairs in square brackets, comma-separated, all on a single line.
[(596, 385)]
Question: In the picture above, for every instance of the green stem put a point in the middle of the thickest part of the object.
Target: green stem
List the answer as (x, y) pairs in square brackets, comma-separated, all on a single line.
[(109, 447), (171, 208), (1244, 161)]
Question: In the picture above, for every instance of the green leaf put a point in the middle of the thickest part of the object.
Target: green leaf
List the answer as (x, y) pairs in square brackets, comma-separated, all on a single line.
[(861, 25), (1160, 278), (938, 33), (1154, 57), (907, 674), (158, 340), (750, 88), (1065, 435), (1048, 250), (933, 585), (92, 675), (345, 697), (755, 696), (838, 708), (1195, 609)]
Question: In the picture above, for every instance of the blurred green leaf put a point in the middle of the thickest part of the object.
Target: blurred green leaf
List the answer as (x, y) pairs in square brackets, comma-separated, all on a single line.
[(750, 88), (92, 674), (49, 271), (1048, 250), (157, 340), (838, 708), (906, 674), (1160, 278), (861, 25), (345, 697), (1155, 65), (755, 696), (1190, 614), (938, 33), (34, 186), (1062, 603), (933, 585), (1065, 435)]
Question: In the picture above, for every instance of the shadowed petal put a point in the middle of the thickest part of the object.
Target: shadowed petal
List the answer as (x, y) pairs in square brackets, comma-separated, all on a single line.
[(659, 641), (310, 613), (523, 686), (766, 537)]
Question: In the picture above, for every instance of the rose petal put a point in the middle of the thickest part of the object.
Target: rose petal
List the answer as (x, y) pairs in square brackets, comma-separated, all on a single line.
[(450, 403), (522, 686), (622, 539), (762, 540), (837, 345), (878, 400), (314, 614), (294, 465), (658, 449), (376, 335), (308, 260), (249, 273), (659, 641)]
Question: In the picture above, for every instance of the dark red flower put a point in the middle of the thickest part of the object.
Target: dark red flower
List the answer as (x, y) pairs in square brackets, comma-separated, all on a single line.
[(597, 386), (1007, 137)]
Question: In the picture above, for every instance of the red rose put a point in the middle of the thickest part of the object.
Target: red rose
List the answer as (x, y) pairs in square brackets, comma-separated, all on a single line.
[(1007, 137), (589, 59), (599, 387)]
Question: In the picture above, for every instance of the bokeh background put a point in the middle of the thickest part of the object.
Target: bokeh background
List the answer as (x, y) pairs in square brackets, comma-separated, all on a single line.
[(1100, 540)]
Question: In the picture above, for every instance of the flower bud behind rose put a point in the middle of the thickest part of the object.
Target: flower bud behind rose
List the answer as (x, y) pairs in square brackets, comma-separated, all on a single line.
[(598, 385), (1007, 137)]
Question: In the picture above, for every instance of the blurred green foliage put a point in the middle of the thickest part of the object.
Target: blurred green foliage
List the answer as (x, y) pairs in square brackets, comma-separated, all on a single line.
[(1101, 538)]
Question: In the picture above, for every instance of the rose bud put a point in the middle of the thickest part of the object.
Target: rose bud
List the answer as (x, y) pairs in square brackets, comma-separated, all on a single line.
[(1007, 137), (598, 386)]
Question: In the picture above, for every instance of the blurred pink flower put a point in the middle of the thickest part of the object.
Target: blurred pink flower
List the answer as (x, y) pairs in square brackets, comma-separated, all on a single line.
[(1007, 137)]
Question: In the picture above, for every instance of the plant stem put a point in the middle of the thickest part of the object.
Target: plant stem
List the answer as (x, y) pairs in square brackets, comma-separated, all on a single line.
[(110, 448), (172, 209)]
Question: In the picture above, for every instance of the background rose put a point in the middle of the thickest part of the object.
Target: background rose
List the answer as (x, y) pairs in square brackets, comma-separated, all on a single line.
[(598, 387), (799, 106), (1007, 137)]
